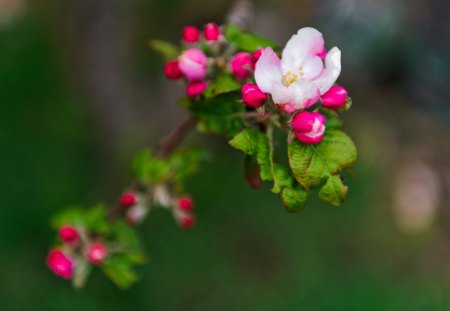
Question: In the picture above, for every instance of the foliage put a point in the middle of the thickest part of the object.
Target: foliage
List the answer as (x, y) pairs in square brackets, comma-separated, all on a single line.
[(246, 41), (176, 169), (123, 241)]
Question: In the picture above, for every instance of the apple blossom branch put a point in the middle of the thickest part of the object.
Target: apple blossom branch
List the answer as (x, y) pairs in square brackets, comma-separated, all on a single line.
[(171, 141), (246, 96)]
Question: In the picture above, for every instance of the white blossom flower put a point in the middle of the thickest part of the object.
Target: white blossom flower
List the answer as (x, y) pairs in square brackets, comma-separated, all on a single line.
[(302, 75)]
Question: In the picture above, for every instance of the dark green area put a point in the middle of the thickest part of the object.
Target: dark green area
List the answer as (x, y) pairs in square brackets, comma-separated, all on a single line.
[(246, 253)]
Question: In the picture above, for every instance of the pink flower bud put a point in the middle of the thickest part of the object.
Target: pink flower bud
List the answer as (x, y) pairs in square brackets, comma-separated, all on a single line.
[(190, 34), (211, 32), (241, 64), (309, 127), (195, 88), (172, 70), (68, 234), (322, 53), (335, 97), (186, 204), (60, 264), (255, 56), (252, 96), (128, 199), (186, 221), (96, 253), (193, 64)]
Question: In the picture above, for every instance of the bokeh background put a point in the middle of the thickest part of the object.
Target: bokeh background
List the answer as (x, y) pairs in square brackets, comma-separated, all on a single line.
[(80, 93)]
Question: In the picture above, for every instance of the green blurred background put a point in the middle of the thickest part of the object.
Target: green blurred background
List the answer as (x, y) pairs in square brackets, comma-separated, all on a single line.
[(80, 93)]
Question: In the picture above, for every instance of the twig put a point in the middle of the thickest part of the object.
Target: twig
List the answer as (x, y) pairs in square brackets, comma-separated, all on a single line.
[(169, 142)]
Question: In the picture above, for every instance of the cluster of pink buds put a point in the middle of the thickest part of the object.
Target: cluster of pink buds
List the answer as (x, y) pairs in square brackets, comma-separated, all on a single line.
[(63, 260), (192, 64), (298, 81)]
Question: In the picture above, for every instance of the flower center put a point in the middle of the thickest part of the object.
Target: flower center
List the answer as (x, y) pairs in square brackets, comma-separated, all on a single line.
[(290, 77)]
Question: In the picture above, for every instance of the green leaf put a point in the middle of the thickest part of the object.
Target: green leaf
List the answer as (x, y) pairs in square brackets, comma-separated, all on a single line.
[(119, 268), (312, 165), (334, 191), (245, 41), (183, 164), (294, 199), (93, 219), (257, 145), (247, 141), (222, 84), (307, 165), (254, 143), (167, 50), (126, 236), (282, 178), (218, 115), (149, 169), (96, 219), (73, 215), (338, 151)]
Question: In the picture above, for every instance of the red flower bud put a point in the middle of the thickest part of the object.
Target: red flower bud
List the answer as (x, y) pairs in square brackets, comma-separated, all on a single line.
[(96, 253), (255, 56), (128, 199), (195, 88), (211, 32), (309, 127), (186, 221), (335, 97), (172, 70), (186, 204), (190, 34), (68, 234), (60, 264), (241, 64), (252, 96)]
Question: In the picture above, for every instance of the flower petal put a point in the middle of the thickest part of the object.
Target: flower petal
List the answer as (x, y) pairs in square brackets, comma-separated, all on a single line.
[(299, 95), (307, 138), (312, 68), (331, 72), (305, 93), (281, 94), (306, 44), (268, 70)]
